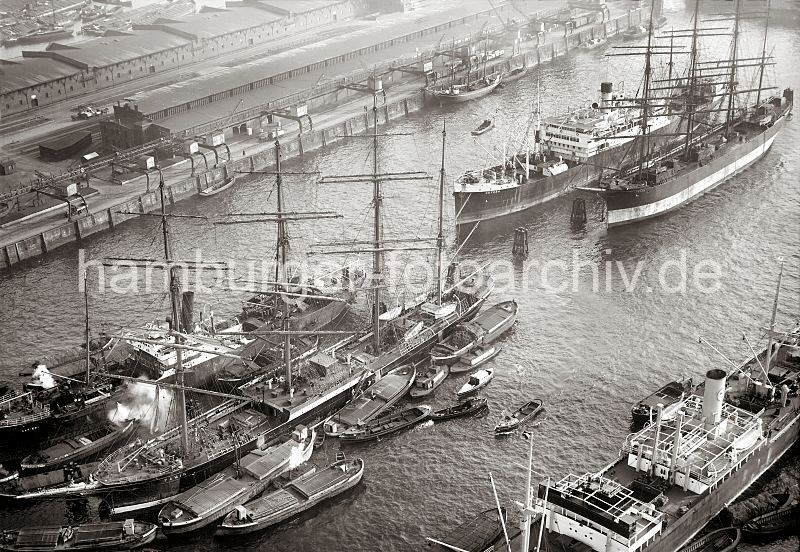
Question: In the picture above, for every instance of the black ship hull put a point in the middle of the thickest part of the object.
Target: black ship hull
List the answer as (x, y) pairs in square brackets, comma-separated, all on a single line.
[(633, 205), (155, 492), (474, 207)]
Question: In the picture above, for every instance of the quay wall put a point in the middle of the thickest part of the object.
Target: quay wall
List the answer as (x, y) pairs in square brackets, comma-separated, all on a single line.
[(14, 253), (86, 77)]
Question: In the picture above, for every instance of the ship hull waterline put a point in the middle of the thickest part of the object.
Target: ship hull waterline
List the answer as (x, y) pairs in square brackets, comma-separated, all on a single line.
[(626, 207)]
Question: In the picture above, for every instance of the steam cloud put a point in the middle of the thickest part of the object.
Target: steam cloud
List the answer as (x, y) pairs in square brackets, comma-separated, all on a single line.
[(147, 403)]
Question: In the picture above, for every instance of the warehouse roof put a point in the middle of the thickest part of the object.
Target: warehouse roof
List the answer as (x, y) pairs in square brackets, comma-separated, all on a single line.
[(25, 72), (213, 23), (109, 50)]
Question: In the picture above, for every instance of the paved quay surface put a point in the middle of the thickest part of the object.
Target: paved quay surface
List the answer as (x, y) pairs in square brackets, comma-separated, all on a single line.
[(401, 85)]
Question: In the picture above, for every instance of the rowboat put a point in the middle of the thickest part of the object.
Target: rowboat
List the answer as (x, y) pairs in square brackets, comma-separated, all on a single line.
[(298, 496), (593, 43), (469, 407), (216, 188), (387, 425), (485, 126), (476, 381), (474, 359), (427, 382), (474, 535), (773, 524), (218, 495), (721, 540), (78, 448), (374, 401), (115, 535), (524, 413), (637, 31)]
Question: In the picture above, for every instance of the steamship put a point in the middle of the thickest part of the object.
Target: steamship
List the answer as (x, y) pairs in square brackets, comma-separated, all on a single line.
[(675, 475), (568, 151)]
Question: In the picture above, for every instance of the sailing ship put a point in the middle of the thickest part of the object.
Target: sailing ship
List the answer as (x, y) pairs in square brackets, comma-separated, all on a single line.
[(149, 474), (720, 443), (459, 93), (663, 181), (566, 151), (453, 92)]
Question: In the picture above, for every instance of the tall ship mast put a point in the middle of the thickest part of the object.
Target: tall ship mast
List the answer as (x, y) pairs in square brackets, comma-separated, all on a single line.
[(143, 475), (565, 151), (676, 475), (146, 474), (710, 154)]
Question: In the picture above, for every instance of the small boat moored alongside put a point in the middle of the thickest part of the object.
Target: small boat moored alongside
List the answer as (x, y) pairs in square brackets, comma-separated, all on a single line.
[(71, 481), (770, 525), (219, 187), (476, 382), (297, 496), (215, 497), (374, 401), (427, 382), (119, 535), (484, 329), (721, 540), (474, 359), (469, 407), (81, 447), (387, 425)]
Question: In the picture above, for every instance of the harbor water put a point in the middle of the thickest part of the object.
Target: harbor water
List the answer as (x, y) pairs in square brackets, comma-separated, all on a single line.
[(605, 316)]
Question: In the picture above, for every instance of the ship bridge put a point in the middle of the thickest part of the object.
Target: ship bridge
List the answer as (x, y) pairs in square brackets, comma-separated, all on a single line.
[(599, 512), (695, 450)]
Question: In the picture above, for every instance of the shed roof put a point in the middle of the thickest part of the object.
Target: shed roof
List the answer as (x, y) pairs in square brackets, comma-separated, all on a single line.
[(25, 72), (109, 50)]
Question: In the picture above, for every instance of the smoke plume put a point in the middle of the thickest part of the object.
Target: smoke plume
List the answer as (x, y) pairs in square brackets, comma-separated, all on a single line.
[(149, 404)]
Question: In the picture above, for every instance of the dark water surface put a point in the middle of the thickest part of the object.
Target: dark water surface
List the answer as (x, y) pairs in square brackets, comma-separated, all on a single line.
[(589, 353)]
